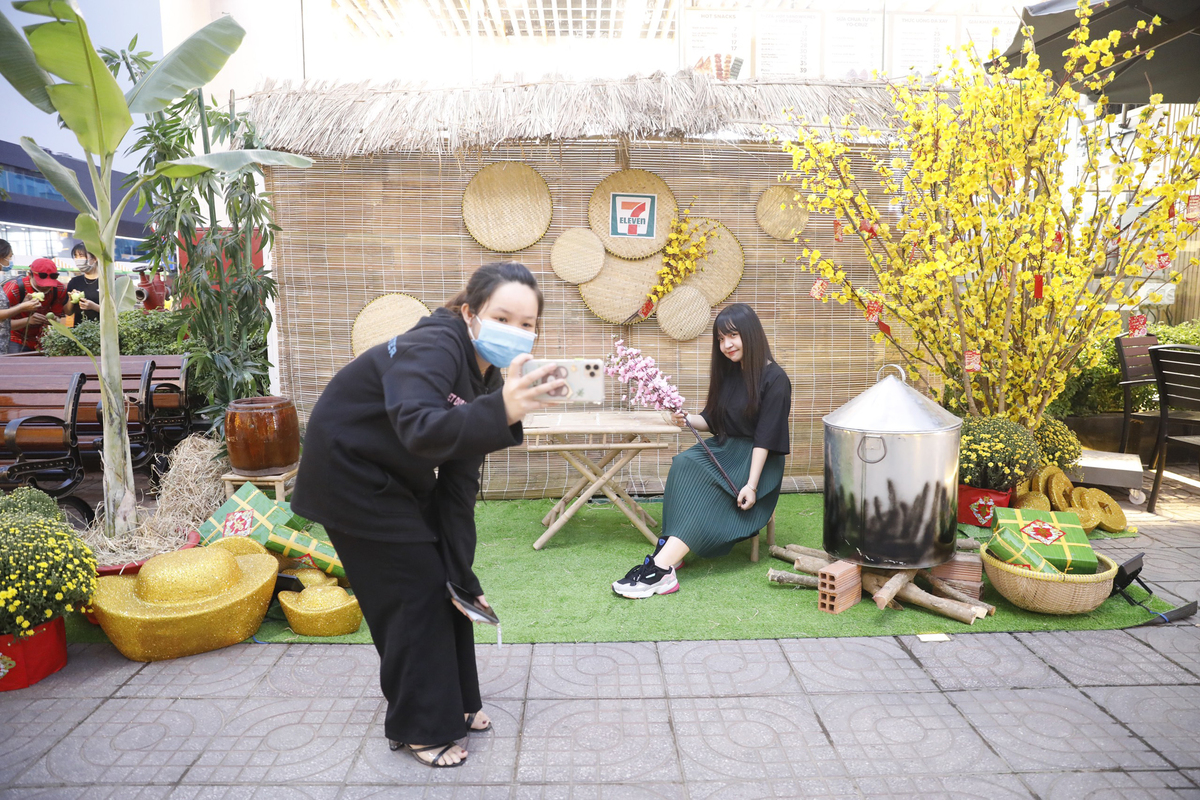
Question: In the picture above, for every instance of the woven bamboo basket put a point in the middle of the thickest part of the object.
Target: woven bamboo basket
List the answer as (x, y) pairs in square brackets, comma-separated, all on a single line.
[(719, 274), (779, 214), (621, 287), (507, 206), (636, 182), (1050, 594), (684, 314), (383, 318), (577, 255)]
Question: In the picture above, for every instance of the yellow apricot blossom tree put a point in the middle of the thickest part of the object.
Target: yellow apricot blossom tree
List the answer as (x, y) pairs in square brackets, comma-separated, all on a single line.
[(1003, 257)]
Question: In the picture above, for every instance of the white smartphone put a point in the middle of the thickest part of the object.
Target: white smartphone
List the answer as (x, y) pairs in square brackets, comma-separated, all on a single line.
[(584, 377)]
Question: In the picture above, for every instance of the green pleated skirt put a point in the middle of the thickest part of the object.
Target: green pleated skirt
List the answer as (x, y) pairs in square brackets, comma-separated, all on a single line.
[(700, 509)]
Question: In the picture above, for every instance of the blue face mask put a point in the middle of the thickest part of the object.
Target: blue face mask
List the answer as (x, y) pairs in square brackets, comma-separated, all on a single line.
[(498, 344)]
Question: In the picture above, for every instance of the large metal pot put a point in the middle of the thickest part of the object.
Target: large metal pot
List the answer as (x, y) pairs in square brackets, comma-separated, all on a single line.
[(891, 478)]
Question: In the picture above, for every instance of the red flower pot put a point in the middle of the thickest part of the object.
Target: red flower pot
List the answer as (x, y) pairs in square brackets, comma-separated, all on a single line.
[(975, 505), (25, 661)]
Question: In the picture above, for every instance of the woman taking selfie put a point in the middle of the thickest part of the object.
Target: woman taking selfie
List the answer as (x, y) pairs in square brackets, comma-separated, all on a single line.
[(749, 401), (391, 468)]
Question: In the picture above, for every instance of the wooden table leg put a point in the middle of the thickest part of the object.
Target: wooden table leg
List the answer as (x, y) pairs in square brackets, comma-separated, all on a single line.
[(579, 485), (596, 469), (616, 501), (583, 498)]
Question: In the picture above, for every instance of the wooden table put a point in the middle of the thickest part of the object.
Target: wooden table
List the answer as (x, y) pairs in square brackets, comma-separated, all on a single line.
[(620, 435)]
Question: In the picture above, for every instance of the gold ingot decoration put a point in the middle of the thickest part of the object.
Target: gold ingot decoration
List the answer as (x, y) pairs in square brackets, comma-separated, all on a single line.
[(311, 577), (1059, 490), (240, 546), (186, 602), (1080, 498), (1089, 518), (1041, 479), (1035, 500), (321, 610)]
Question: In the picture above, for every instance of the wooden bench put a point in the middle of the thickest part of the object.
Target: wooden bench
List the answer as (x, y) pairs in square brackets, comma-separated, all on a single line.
[(38, 413), (168, 412)]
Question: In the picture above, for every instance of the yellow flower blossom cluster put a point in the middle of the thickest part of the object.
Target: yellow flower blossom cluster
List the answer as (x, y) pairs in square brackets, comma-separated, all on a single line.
[(986, 240), (1059, 445), (996, 453), (45, 571), (687, 246)]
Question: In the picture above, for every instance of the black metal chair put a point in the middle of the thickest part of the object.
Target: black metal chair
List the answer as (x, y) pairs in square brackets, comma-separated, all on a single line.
[(1177, 372)]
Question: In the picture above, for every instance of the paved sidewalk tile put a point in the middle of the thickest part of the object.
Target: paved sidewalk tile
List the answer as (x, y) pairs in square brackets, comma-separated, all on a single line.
[(1179, 642), (30, 726), (945, 787), (726, 668), (620, 669), (982, 661), (1100, 785), (1103, 658), (1167, 717), (594, 741), (447, 791), (229, 672), (503, 670), (322, 670), (294, 791), (824, 788), (491, 755), (92, 670), (1053, 729), (600, 791), (903, 735), (752, 738), (87, 793), (876, 664), (133, 741), (281, 740)]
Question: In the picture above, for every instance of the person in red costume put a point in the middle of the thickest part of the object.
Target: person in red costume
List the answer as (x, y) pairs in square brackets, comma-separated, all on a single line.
[(27, 328)]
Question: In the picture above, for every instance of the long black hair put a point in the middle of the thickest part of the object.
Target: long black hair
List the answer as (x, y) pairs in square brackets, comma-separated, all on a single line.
[(488, 279), (756, 354)]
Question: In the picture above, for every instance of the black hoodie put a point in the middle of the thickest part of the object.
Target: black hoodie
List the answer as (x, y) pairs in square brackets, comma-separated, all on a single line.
[(382, 426)]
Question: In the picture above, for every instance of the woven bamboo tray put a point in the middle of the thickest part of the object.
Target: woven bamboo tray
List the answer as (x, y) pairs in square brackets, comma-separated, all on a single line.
[(1050, 594), (684, 314), (719, 274), (383, 318), (621, 287), (577, 255), (636, 182), (507, 206), (779, 214)]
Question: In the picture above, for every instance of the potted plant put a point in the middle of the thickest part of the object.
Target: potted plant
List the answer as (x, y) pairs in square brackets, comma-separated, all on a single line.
[(45, 571), (1058, 444), (995, 455)]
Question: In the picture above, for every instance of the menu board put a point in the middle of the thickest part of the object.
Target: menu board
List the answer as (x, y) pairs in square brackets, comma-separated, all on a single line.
[(977, 31), (787, 45), (853, 44), (717, 42), (919, 42)]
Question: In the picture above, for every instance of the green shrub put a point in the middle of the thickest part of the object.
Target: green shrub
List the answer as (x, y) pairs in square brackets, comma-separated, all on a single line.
[(139, 333), (996, 453), (27, 500)]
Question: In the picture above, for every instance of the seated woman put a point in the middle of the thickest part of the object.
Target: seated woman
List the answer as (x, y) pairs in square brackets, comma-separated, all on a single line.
[(749, 401)]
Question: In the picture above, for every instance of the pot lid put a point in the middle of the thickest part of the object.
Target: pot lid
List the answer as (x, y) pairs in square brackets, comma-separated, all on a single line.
[(892, 406)]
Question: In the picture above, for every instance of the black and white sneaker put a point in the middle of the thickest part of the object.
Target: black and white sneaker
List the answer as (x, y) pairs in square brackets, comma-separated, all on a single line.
[(646, 579)]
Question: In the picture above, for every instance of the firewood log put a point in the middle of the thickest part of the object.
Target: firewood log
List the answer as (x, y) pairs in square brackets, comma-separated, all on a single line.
[(810, 551), (891, 586), (782, 554), (779, 576), (939, 605), (944, 589), (968, 543), (810, 564)]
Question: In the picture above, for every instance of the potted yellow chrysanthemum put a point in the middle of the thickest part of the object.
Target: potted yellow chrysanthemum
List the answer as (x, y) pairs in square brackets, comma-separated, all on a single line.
[(45, 571), (995, 454)]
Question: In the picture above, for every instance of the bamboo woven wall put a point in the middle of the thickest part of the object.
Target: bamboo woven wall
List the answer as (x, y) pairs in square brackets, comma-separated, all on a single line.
[(357, 228)]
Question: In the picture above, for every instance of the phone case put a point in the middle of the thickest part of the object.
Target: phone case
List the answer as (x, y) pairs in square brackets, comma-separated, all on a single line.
[(474, 612), (584, 376)]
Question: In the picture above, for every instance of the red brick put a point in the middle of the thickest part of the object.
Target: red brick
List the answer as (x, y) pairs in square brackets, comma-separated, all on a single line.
[(840, 576)]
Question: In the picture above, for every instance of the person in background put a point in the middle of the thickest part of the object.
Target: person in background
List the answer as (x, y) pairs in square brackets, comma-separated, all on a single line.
[(749, 402), (391, 468), (28, 325), (8, 310), (88, 282)]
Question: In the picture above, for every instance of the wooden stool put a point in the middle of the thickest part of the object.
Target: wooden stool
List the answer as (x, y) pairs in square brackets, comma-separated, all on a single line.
[(770, 539), (233, 482)]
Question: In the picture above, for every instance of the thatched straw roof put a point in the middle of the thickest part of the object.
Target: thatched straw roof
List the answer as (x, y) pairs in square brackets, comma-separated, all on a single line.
[(340, 120)]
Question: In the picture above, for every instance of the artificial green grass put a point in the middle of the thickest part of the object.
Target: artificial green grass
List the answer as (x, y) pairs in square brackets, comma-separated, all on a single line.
[(562, 593)]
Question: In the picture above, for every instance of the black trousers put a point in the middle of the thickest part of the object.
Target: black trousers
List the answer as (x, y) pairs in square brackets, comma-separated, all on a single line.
[(426, 646)]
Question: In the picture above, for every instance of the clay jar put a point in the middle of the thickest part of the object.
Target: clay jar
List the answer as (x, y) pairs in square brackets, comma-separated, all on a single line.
[(262, 435)]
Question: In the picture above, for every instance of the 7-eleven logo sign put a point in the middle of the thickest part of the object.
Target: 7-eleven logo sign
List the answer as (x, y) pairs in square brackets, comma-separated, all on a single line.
[(632, 215)]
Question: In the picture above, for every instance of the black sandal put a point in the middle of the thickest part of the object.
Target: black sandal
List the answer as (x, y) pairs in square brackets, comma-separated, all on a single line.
[(471, 721), (435, 761)]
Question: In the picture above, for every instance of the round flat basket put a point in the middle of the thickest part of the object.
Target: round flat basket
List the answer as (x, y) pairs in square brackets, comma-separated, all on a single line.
[(1050, 594), (577, 255), (779, 214), (684, 314), (620, 290), (631, 212), (719, 274), (507, 206), (384, 317)]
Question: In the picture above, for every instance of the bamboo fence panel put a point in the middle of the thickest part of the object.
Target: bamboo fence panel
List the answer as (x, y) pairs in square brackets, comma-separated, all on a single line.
[(356, 228)]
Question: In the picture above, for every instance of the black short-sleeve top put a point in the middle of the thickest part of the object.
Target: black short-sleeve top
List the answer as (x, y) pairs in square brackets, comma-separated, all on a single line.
[(769, 427)]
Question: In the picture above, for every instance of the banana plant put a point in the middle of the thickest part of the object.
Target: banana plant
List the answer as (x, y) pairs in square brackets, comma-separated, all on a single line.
[(56, 68)]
